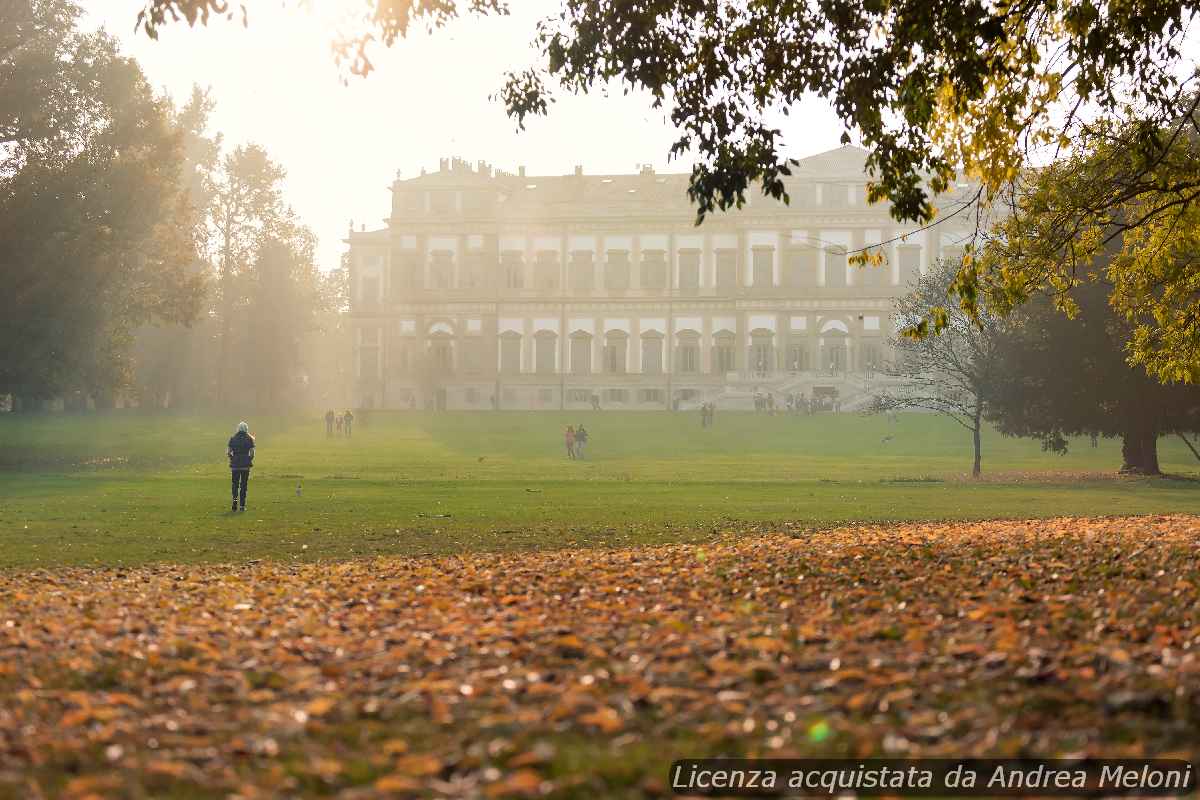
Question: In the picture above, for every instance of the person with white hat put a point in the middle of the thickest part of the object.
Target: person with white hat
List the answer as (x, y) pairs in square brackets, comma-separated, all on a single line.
[(241, 459)]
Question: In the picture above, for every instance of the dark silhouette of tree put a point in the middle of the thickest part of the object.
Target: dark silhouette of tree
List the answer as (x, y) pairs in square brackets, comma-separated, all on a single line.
[(1065, 377)]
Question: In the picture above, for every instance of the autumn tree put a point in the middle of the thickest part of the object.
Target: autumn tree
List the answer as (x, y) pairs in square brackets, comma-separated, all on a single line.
[(951, 374), (282, 308), (95, 224), (175, 363), (930, 87), (1122, 209), (1064, 377)]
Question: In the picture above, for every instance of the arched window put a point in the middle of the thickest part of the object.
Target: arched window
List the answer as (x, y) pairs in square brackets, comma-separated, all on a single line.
[(762, 353), (723, 357)]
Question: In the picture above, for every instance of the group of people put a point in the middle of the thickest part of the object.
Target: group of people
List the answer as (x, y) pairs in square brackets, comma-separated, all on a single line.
[(576, 439), (706, 414), (791, 404), (344, 422)]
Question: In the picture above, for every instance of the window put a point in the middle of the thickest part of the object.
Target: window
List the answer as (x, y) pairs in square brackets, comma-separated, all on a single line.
[(368, 362), (398, 358), (761, 355), (545, 397), (835, 195), (441, 356), (399, 277), (615, 347), (544, 346), (579, 395), (472, 355), (616, 270), (652, 361), (581, 270), (509, 398), (441, 269), (616, 395), (763, 260), (722, 353), (689, 270), (689, 358), (581, 354), (835, 267), (472, 396), (474, 201), (510, 353), (870, 356), (654, 269), (797, 358), (650, 395), (800, 268), (471, 276), (414, 201), (910, 263), (441, 201), (688, 395), (727, 270), (513, 266), (545, 270), (873, 275), (370, 290)]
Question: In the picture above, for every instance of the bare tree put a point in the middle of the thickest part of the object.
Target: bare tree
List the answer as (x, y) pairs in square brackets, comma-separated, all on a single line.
[(948, 373)]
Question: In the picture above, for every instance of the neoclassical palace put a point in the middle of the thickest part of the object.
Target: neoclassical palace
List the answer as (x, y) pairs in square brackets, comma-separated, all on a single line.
[(489, 289)]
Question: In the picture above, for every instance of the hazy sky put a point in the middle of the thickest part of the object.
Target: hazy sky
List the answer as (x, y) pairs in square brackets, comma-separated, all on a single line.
[(276, 83)]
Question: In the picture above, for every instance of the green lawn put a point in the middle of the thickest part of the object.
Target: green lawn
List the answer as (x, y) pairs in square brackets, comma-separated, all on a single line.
[(125, 488)]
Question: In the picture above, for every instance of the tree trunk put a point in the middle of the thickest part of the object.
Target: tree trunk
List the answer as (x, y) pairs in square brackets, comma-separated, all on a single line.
[(1139, 452), (975, 435)]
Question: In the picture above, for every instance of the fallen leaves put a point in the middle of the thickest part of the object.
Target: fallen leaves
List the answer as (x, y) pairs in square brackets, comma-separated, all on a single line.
[(583, 673)]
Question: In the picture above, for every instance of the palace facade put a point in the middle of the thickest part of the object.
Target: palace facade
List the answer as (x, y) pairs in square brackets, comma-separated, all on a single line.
[(487, 289)]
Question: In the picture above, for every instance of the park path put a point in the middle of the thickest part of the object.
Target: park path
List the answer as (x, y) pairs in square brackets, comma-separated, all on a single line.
[(583, 673)]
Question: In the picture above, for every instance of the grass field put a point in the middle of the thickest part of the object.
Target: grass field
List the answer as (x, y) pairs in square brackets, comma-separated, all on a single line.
[(727, 613), (127, 489)]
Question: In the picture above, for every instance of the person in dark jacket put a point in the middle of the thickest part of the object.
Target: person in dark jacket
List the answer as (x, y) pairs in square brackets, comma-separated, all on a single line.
[(241, 459)]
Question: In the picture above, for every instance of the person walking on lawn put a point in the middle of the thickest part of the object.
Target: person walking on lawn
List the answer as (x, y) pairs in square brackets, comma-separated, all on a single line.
[(569, 439), (581, 438), (241, 459), (329, 422)]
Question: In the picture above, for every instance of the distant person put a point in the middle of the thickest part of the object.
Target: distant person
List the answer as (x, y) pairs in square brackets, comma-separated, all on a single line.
[(595, 402), (338, 420), (771, 403), (348, 422), (704, 415), (241, 459), (581, 440), (791, 403), (329, 415), (569, 439)]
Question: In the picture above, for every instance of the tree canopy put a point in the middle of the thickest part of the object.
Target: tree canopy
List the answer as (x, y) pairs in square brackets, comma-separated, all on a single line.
[(931, 88), (1122, 209), (95, 224), (1068, 377)]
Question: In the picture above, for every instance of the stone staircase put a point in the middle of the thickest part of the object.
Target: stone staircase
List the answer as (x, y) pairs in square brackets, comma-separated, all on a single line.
[(855, 391)]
